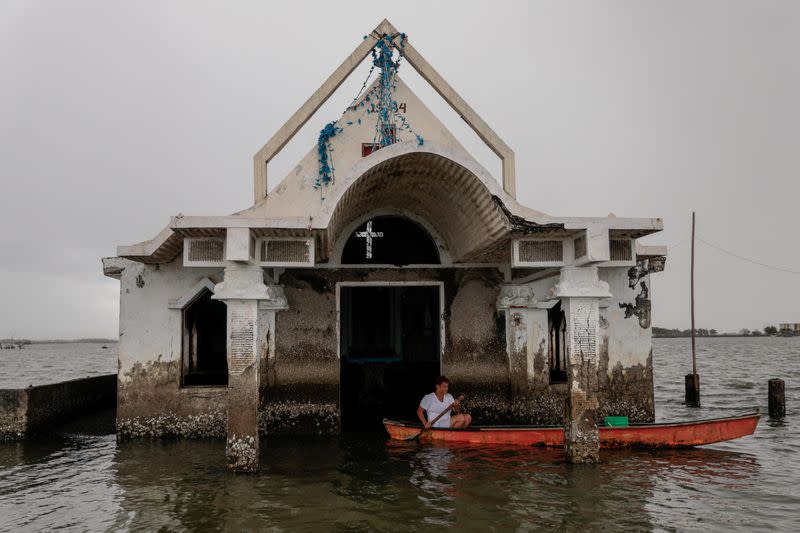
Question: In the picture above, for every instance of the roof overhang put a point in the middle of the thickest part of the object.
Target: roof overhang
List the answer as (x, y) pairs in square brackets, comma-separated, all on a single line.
[(475, 217)]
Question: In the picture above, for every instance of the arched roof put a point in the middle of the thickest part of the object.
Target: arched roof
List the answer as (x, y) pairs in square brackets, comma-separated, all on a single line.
[(457, 201)]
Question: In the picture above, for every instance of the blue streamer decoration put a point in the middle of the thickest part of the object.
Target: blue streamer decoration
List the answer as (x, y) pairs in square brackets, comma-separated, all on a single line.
[(380, 100), (325, 150)]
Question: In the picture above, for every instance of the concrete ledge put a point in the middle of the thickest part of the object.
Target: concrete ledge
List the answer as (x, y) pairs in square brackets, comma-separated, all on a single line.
[(13, 414), (26, 412)]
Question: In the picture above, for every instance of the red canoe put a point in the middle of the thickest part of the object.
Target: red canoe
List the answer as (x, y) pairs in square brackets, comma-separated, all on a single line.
[(660, 435)]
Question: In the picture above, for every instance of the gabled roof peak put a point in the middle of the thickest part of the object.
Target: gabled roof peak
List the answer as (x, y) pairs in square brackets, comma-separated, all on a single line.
[(428, 73)]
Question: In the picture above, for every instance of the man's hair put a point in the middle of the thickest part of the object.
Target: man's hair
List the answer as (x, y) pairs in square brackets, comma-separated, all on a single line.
[(440, 380)]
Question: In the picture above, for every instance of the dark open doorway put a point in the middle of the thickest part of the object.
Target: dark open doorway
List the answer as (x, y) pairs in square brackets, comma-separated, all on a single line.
[(205, 342), (390, 345)]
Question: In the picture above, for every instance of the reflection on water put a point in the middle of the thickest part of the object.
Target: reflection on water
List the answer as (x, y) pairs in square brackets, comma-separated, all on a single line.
[(430, 475), (65, 483), (360, 482), (81, 479)]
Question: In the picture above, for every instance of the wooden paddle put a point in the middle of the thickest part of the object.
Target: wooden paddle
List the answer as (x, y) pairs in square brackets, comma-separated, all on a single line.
[(440, 415)]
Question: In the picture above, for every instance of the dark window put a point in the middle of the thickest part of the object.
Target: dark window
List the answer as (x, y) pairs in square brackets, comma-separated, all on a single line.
[(205, 359), (557, 324), (390, 240)]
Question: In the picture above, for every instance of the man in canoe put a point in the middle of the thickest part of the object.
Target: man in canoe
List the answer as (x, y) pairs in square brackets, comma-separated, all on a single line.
[(438, 401)]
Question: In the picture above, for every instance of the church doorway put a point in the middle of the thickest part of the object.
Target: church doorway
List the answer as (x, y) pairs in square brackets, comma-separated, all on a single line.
[(390, 346)]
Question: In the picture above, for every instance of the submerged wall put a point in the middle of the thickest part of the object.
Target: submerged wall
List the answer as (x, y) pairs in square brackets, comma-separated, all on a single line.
[(13, 414), (625, 366), (151, 401), (502, 386), (25, 412), (626, 346), (499, 359), (474, 356), (302, 391)]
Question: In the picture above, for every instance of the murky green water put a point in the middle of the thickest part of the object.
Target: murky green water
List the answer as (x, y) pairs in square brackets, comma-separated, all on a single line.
[(82, 480)]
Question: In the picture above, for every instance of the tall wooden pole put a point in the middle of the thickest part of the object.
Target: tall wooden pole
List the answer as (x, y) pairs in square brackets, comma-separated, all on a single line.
[(692, 381), (694, 352)]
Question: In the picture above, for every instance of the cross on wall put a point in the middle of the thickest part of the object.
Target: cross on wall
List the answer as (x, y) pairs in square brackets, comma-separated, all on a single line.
[(369, 235)]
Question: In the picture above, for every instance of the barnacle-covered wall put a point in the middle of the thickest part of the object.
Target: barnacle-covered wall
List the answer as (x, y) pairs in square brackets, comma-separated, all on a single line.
[(498, 358)]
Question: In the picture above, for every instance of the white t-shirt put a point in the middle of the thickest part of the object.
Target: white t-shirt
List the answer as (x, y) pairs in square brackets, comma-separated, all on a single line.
[(433, 406)]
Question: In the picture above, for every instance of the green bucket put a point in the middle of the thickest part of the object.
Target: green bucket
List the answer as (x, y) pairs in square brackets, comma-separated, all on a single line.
[(616, 421)]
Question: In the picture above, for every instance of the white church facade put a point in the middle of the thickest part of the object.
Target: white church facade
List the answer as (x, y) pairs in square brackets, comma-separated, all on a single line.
[(379, 262)]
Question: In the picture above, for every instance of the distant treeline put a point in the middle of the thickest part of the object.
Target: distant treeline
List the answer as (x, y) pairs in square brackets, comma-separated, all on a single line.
[(703, 332)]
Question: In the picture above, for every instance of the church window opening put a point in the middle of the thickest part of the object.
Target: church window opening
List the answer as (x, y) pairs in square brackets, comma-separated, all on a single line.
[(390, 240), (557, 325), (205, 342), (368, 148)]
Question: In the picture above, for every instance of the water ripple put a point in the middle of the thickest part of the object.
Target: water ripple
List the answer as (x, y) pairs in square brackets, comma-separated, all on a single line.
[(86, 481)]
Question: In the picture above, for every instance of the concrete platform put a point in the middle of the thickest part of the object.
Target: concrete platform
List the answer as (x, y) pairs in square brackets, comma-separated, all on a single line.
[(24, 413)]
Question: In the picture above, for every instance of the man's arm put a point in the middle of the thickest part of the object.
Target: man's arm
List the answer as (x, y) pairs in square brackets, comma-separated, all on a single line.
[(421, 416), (456, 406)]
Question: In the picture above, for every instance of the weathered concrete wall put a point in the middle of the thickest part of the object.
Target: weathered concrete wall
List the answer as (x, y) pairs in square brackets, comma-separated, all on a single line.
[(296, 195), (24, 412), (302, 389), (301, 393), (625, 366), (151, 401), (13, 414), (60, 401), (299, 384), (534, 400), (475, 356), (626, 346)]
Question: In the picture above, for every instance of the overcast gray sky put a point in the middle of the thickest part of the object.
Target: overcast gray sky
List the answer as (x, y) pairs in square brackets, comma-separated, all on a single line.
[(116, 115)]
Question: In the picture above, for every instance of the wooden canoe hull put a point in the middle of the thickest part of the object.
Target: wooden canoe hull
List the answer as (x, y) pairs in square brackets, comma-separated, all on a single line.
[(661, 435)]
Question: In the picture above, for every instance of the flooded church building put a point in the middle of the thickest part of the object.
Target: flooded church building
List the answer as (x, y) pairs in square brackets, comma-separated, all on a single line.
[(386, 256)]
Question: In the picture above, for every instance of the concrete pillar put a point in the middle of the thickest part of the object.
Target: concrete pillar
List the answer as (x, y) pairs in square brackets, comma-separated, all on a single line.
[(526, 335), (580, 291), (244, 292)]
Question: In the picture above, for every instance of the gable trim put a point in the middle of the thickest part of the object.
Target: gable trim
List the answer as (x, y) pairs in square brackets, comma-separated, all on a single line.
[(428, 73), (190, 295)]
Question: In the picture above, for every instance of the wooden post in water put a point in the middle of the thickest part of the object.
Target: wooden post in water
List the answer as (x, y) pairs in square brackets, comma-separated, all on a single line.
[(692, 382), (777, 398)]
